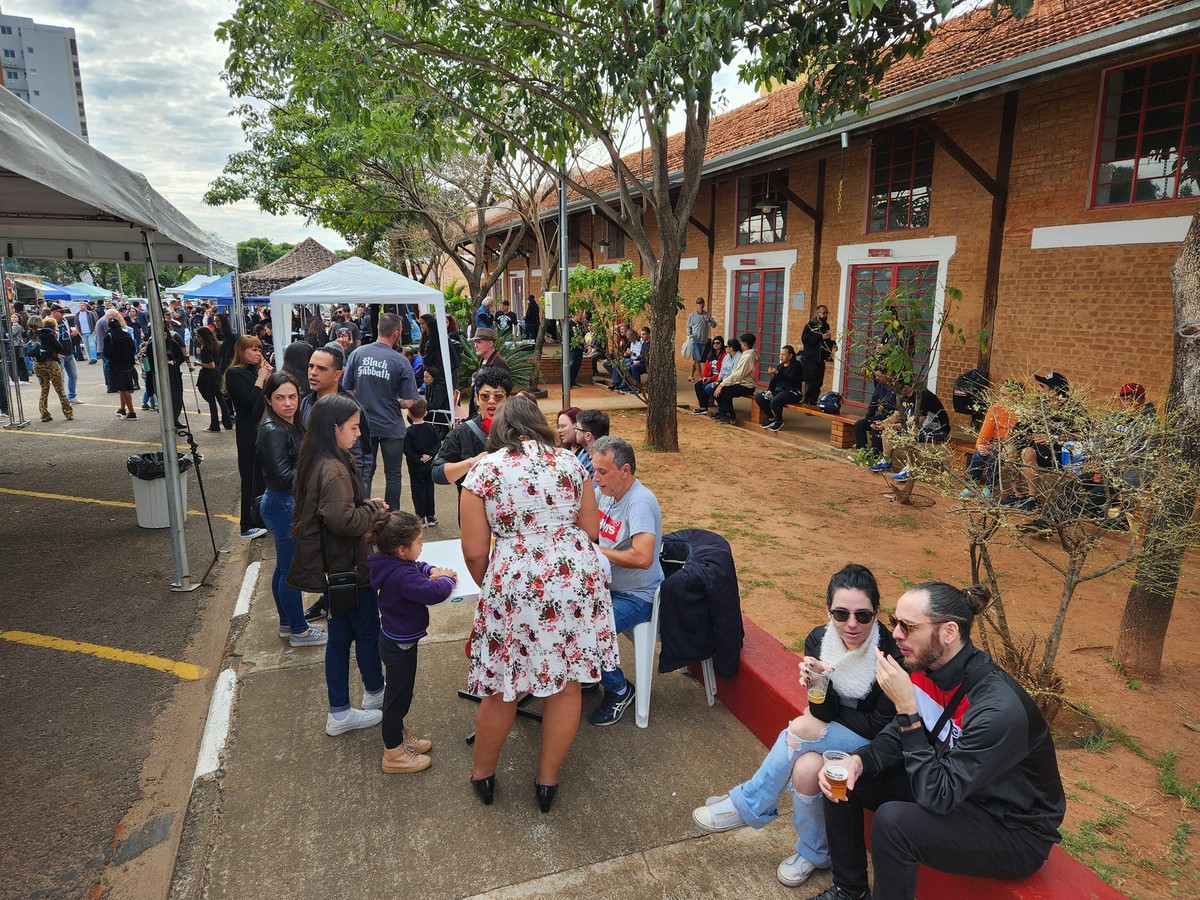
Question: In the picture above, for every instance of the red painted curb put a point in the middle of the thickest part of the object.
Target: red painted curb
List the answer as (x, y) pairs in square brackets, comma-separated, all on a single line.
[(765, 695)]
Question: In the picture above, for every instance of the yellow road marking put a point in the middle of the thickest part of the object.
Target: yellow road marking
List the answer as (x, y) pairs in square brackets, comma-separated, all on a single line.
[(82, 437), (123, 504), (186, 671)]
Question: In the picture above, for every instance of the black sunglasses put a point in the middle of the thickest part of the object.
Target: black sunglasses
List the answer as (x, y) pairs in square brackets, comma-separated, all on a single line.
[(861, 616)]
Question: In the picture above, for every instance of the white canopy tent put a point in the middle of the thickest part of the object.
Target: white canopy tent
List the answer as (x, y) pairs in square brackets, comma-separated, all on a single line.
[(196, 281), (61, 198), (354, 281)]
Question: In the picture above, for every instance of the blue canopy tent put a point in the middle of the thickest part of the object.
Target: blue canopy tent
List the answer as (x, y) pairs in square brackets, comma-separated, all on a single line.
[(221, 291)]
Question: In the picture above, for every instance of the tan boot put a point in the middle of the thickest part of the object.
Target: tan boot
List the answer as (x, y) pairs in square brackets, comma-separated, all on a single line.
[(416, 744), (402, 761)]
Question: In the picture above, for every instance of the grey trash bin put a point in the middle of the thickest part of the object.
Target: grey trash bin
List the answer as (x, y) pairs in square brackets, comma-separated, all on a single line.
[(149, 477)]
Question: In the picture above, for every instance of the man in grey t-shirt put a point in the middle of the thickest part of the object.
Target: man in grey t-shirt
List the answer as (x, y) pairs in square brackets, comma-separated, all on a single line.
[(630, 535), (698, 325), (382, 380)]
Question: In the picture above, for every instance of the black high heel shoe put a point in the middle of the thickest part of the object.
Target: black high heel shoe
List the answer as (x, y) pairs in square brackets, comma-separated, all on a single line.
[(485, 788), (545, 795)]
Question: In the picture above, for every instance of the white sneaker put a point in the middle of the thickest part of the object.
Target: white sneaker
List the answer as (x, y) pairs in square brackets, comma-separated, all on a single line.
[(254, 533), (372, 701), (794, 870), (355, 719), (285, 632), (717, 815), (314, 638)]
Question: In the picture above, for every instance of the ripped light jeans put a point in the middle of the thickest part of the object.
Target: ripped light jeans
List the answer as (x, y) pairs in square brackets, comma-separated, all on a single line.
[(756, 800)]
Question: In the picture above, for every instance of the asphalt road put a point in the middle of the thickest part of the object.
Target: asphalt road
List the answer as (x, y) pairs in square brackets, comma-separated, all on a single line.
[(97, 753)]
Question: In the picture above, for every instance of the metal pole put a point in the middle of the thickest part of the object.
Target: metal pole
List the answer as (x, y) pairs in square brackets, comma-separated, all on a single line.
[(167, 414), (120, 285), (565, 327), (239, 314), (8, 372)]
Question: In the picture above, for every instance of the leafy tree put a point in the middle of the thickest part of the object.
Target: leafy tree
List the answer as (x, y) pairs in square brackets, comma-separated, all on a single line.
[(520, 77), (254, 253)]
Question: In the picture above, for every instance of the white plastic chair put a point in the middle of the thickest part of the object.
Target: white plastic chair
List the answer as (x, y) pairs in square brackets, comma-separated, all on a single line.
[(645, 637)]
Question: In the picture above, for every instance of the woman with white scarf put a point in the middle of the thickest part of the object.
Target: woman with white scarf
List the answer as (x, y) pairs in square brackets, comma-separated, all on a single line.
[(854, 710)]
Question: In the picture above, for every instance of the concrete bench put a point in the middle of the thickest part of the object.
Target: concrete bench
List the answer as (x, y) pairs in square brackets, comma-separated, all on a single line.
[(765, 695), (841, 434)]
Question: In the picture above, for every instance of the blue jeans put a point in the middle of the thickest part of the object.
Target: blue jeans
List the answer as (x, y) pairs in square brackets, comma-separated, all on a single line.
[(756, 799), (89, 341), (277, 510), (393, 468), (985, 469), (68, 364), (628, 611), (360, 628)]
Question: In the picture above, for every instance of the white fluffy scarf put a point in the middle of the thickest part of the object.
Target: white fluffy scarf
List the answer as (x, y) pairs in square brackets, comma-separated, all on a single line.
[(853, 670)]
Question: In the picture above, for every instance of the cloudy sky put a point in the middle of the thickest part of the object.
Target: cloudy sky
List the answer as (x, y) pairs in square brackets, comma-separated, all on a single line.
[(156, 103)]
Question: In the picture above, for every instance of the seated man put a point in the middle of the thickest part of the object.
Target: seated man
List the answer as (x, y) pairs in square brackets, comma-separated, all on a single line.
[(1041, 441), (924, 414), (998, 423), (740, 383), (787, 386), (630, 535), (869, 429), (965, 780), (636, 357)]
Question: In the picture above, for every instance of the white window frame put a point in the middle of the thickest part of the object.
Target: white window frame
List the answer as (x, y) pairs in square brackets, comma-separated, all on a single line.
[(772, 259)]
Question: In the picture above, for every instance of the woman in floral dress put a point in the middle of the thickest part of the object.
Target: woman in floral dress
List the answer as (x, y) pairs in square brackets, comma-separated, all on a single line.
[(544, 622)]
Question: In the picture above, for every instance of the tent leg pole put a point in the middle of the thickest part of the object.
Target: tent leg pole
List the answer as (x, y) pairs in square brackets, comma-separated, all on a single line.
[(239, 311), (162, 383)]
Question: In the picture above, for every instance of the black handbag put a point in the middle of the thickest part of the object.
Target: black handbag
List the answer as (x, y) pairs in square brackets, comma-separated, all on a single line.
[(341, 589)]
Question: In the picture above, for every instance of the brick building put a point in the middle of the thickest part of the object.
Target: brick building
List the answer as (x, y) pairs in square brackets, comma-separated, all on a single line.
[(1047, 168)]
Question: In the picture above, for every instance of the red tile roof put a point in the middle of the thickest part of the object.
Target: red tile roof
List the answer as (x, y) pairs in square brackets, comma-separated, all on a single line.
[(963, 44)]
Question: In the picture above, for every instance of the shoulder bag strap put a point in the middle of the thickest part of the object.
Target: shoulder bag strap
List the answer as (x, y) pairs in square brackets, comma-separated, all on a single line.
[(321, 526), (965, 685)]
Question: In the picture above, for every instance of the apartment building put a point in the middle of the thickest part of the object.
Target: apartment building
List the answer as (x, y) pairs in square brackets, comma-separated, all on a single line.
[(40, 64)]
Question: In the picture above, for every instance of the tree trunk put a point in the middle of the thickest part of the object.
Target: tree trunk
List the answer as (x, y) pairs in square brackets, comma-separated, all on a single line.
[(535, 380), (1054, 638), (662, 431), (1151, 600)]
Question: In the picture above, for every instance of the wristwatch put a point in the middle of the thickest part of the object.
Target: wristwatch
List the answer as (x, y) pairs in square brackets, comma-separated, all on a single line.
[(907, 720)]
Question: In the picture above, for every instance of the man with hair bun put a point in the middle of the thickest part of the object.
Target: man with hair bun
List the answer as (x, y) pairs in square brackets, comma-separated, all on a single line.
[(964, 780)]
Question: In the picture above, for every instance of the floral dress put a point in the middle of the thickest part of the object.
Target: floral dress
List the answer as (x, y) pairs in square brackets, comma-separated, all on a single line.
[(545, 615)]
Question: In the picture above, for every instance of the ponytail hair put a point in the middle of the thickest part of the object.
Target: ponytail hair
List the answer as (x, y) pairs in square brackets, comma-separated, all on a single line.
[(959, 605)]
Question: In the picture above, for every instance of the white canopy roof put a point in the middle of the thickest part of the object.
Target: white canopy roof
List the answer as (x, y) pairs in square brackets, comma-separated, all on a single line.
[(196, 281), (355, 280), (61, 198)]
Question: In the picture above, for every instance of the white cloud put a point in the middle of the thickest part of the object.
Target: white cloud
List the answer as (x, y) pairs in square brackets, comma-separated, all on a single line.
[(156, 103)]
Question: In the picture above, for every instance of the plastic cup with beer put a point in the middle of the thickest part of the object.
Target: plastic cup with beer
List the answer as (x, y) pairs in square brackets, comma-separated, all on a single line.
[(837, 770), (818, 685)]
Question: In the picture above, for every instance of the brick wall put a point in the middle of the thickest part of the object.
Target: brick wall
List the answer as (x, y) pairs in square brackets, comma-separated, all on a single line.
[(1102, 315)]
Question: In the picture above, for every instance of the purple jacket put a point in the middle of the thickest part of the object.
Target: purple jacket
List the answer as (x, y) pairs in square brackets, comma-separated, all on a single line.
[(405, 594)]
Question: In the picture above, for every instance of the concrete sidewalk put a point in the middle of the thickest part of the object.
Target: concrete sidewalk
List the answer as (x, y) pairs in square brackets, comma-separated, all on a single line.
[(295, 813)]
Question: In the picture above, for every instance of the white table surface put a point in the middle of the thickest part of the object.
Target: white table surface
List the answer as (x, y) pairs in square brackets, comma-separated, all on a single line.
[(448, 555)]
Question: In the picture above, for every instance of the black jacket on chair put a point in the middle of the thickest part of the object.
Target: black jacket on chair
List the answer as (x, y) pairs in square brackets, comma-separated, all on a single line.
[(701, 610)]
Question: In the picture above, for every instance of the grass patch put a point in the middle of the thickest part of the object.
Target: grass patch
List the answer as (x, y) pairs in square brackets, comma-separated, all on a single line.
[(894, 521), (1092, 843), (1168, 780)]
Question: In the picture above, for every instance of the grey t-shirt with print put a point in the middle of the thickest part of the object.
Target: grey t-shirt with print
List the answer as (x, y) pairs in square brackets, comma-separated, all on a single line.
[(635, 513), (380, 377)]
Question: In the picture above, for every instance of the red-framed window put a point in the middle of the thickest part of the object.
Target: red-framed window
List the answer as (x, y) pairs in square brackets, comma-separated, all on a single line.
[(1148, 148), (901, 180), (872, 290), (758, 309), (616, 241), (573, 223), (762, 209)]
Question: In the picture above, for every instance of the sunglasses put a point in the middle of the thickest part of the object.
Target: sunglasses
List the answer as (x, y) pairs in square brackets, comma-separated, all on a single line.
[(906, 627), (861, 616)]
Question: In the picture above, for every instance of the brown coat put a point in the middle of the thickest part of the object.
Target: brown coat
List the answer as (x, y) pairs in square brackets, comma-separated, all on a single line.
[(337, 494)]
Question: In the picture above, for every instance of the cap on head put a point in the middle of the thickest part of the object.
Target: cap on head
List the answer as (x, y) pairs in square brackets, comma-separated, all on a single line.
[(1133, 389), (1056, 381)]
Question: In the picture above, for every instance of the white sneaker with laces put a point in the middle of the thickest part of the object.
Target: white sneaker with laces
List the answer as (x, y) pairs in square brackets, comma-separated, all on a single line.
[(355, 719), (794, 870), (717, 815)]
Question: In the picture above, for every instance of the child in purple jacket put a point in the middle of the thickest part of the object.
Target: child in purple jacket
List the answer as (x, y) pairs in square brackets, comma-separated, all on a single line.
[(406, 588)]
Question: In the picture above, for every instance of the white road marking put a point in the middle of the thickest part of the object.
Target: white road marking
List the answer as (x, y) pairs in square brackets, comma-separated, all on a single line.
[(216, 729), (248, 582)]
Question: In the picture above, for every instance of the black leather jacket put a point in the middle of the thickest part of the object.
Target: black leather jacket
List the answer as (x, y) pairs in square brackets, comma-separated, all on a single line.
[(278, 446)]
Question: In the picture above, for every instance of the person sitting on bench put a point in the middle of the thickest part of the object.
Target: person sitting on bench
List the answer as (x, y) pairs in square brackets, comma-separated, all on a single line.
[(787, 385), (717, 367), (998, 423), (740, 383), (964, 780), (869, 429), (922, 412)]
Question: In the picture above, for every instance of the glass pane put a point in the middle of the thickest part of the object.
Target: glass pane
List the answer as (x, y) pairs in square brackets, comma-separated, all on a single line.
[(1170, 69)]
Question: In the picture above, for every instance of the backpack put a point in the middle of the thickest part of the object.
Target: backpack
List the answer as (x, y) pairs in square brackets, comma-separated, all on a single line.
[(33, 349)]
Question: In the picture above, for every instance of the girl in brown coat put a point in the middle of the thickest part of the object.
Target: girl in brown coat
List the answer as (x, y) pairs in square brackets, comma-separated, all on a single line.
[(329, 493)]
